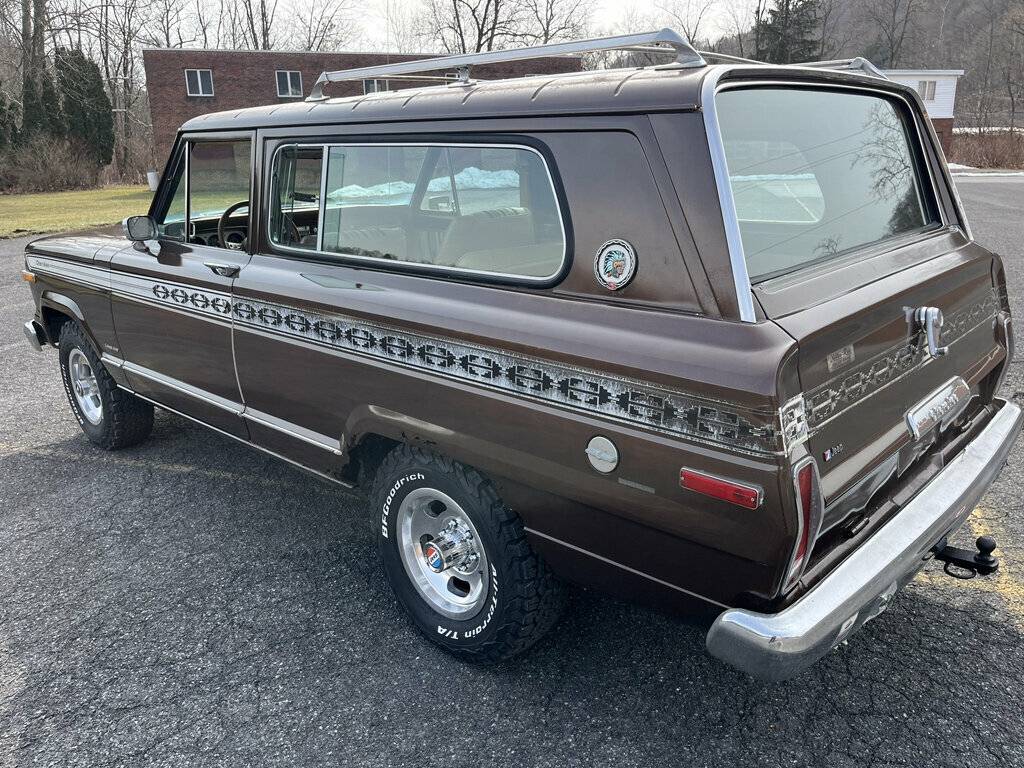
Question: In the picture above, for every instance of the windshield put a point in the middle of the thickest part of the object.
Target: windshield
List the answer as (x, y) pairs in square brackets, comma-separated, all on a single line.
[(816, 173)]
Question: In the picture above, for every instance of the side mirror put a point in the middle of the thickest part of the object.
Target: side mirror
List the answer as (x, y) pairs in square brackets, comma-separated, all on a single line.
[(142, 231), (139, 229)]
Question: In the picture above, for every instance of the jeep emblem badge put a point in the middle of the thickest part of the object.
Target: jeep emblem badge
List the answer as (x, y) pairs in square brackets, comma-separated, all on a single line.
[(615, 264), (435, 561)]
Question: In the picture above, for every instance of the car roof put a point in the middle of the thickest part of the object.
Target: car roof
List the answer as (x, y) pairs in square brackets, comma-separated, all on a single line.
[(633, 90)]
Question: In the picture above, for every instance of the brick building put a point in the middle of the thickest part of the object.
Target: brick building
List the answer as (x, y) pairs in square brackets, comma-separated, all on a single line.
[(183, 82)]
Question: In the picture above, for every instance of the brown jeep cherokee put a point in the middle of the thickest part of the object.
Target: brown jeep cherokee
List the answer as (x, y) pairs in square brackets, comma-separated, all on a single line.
[(712, 335)]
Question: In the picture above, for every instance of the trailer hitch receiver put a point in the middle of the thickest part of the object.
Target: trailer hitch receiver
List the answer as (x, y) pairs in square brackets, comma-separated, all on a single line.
[(968, 564)]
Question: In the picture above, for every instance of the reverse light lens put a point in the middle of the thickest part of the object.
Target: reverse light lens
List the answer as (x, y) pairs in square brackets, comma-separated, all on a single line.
[(746, 496)]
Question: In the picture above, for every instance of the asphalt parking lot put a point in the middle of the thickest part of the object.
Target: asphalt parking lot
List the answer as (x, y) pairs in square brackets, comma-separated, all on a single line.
[(192, 602)]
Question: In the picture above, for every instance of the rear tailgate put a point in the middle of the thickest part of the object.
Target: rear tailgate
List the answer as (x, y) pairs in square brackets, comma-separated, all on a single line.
[(850, 235), (864, 364)]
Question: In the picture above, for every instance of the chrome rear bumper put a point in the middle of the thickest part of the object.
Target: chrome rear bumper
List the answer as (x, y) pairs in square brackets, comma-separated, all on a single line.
[(780, 645), (34, 335)]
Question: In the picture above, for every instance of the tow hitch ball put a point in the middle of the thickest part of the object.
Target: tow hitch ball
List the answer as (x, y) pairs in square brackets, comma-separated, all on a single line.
[(968, 563)]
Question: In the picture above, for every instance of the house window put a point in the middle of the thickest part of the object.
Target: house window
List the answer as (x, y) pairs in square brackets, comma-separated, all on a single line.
[(199, 82), (926, 88), (373, 86), (289, 83)]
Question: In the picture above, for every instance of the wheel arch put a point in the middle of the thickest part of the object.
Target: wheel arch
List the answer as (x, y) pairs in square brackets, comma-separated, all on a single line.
[(55, 309)]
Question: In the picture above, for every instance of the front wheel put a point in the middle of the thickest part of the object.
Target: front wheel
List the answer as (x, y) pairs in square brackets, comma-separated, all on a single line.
[(110, 417), (457, 558)]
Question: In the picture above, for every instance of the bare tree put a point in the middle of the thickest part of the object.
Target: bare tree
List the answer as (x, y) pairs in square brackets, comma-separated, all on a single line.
[(893, 21), (687, 16), (165, 25), (545, 21), (468, 26), (835, 32), (258, 23), (322, 24), (401, 24)]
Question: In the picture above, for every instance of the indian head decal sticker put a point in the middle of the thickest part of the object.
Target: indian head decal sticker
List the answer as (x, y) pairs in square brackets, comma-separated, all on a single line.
[(615, 264)]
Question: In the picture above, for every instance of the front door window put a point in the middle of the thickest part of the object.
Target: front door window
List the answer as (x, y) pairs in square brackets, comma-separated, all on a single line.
[(210, 194)]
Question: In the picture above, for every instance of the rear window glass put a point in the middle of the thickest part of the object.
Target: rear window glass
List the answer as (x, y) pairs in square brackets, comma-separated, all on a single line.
[(476, 208), (816, 173)]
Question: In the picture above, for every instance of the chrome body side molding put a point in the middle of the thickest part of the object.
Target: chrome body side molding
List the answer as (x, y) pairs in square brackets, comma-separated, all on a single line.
[(293, 430), (241, 440), (634, 571), (286, 427)]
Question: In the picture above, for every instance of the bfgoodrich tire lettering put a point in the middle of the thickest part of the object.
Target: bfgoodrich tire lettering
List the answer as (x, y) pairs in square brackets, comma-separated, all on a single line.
[(123, 419), (521, 600)]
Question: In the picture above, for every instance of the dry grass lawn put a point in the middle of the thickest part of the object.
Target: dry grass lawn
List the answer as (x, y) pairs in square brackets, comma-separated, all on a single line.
[(66, 211)]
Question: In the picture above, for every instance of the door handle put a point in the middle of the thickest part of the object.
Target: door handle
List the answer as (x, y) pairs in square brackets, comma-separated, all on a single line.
[(224, 270)]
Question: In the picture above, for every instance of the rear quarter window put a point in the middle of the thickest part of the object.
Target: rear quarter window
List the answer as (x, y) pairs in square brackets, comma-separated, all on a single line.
[(817, 173)]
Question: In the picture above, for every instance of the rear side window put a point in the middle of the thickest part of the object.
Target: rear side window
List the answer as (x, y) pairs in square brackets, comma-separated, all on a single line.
[(817, 173), (475, 208)]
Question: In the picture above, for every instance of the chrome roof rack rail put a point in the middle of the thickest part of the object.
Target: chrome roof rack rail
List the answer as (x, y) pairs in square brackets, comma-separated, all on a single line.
[(858, 62), (663, 41)]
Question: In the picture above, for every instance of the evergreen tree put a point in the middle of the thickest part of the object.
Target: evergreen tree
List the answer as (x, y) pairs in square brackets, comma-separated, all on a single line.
[(40, 111), (86, 113), (8, 124), (787, 34)]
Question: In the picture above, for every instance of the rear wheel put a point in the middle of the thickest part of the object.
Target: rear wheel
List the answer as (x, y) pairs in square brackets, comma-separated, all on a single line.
[(110, 417), (457, 558)]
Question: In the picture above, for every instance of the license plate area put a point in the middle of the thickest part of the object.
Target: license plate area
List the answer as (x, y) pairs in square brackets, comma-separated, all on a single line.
[(939, 409)]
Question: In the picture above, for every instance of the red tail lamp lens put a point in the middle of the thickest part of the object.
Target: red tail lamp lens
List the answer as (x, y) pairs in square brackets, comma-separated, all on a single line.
[(741, 495)]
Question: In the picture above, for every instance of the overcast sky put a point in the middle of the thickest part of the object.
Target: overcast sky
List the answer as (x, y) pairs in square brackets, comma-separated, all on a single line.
[(609, 15)]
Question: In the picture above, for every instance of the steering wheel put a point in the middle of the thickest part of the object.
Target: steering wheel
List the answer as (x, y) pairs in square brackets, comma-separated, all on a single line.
[(293, 230), (223, 222)]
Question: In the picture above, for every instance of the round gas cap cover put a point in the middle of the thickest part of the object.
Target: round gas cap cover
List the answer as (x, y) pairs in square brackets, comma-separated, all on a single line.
[(602, 454), (615, 264)]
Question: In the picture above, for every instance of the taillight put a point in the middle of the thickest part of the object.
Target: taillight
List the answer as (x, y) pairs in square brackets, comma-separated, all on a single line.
[(809, 507), (747, 496)]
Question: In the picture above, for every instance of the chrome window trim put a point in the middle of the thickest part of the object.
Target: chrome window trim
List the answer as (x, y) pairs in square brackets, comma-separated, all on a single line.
[(710, 88), (386, 263)]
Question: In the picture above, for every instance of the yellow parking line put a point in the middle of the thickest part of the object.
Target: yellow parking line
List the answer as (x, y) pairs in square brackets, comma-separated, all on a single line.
[(1006, 583)]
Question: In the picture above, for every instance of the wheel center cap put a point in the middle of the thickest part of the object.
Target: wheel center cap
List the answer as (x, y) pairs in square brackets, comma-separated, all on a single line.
[(435, 560), (452, 547)]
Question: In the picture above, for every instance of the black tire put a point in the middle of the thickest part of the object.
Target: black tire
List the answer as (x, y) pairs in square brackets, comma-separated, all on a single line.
[(523, 599), (126, 420)]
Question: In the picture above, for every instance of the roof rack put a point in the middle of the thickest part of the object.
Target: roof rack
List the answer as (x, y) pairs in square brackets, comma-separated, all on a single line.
[(663, 41), (858, 62)]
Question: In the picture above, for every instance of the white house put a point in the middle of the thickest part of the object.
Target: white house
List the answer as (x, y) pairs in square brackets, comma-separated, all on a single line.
[(937, 88)]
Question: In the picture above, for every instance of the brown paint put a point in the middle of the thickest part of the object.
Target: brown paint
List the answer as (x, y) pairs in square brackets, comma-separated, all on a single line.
[(631, 161)]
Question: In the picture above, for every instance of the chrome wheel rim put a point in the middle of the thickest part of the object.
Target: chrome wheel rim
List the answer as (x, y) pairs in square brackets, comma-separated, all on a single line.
[(457, 593), (84, 386)]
